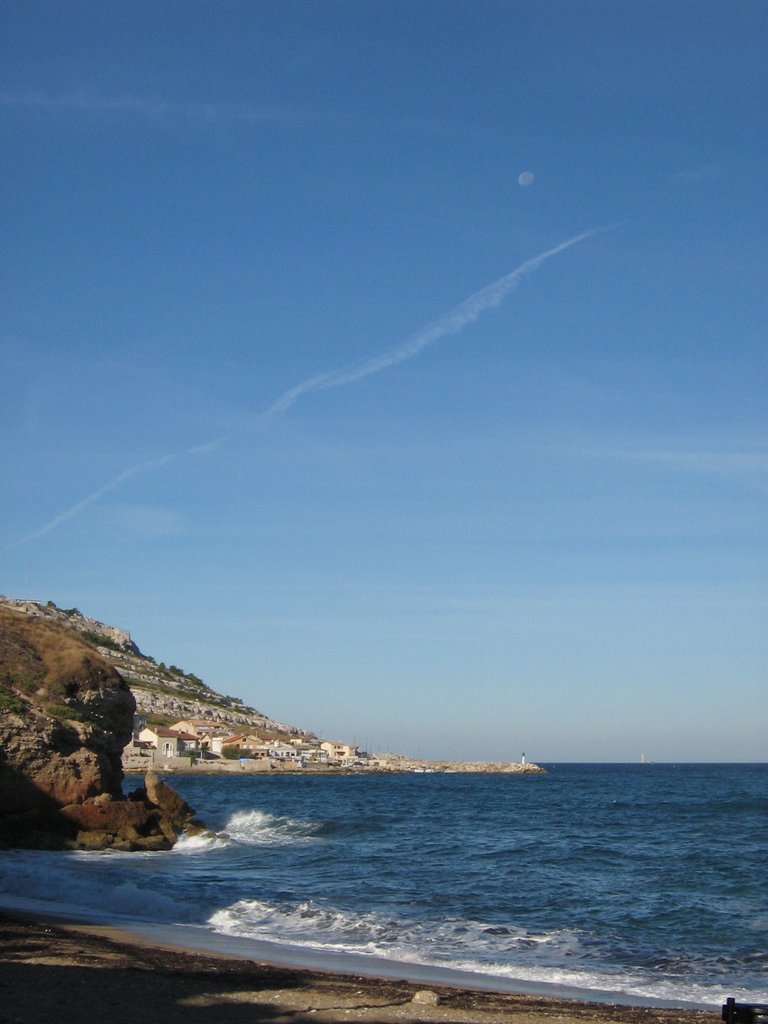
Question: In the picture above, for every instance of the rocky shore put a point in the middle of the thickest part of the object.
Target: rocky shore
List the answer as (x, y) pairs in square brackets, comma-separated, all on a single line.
[(152, 818)]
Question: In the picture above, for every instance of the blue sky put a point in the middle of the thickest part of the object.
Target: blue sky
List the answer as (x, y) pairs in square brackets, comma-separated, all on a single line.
[(249, 415)]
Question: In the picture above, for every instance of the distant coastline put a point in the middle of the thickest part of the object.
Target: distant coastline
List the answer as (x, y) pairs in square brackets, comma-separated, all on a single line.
[(378, 763)]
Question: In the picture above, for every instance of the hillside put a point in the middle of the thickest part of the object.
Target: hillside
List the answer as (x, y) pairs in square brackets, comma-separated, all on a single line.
[(164, 693)]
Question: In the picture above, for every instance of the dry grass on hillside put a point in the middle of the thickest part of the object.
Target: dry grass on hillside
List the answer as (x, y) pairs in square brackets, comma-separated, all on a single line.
[(38, 655)]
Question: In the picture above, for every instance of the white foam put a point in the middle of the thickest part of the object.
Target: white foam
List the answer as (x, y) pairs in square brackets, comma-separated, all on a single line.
[(313, 925), (200, 844), (556, 958), (259, 828)]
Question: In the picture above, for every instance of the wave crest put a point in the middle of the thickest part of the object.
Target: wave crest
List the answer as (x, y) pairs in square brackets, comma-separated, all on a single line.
[(259, 828), (311, 924), (559, 957)]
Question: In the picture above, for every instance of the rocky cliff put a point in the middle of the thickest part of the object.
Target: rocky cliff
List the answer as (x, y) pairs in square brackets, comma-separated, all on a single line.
[(162, 692), (65, 716)]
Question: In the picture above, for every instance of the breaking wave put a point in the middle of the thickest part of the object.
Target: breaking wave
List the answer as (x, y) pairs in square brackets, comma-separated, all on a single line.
[(259, 828), (311, 924), (563, 958)]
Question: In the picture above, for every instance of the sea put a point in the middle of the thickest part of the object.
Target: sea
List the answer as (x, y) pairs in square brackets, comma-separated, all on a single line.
[(635, 883)]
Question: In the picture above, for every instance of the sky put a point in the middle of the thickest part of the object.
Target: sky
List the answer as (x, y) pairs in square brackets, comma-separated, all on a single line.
[(399, 367)]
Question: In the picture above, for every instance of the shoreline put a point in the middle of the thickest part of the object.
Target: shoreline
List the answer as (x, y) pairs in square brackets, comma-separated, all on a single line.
[(50, 962), (399, 765)]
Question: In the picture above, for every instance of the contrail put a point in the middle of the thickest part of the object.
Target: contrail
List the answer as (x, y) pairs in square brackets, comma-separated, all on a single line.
[(141, 467), (467, 312), (454, 322)]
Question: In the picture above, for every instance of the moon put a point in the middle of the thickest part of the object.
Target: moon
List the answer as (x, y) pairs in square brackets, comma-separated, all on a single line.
[(525, 179)]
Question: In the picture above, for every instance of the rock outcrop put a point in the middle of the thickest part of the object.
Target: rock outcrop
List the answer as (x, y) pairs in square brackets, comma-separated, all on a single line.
[(152, 818), (65, 716)]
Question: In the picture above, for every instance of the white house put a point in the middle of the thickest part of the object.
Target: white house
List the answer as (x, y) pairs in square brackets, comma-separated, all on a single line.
[(169, 742), (284, 752)]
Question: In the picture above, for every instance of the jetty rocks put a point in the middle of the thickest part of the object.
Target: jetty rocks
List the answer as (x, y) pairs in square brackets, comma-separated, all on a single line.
[(65, 716)]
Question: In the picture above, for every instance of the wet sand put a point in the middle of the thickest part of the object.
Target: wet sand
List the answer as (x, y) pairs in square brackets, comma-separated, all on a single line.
[(54, 972)]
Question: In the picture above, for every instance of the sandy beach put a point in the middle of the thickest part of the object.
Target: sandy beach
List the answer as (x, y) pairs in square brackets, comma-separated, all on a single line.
[(53, 971)]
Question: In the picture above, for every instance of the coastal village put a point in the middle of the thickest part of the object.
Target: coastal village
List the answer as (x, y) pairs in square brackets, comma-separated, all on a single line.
[(201, 742), (202, 745)]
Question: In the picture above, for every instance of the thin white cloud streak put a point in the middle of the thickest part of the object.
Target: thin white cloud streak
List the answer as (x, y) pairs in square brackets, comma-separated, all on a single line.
[(141, 467), (158, 111), (718, 463), (470, 310), (462, 316), (86, 103)]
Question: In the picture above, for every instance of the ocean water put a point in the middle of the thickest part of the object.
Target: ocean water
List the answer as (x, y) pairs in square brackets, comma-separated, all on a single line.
[(640, 883)]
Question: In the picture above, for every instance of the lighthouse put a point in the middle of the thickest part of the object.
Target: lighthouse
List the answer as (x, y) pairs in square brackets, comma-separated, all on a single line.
[(522, 759)]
